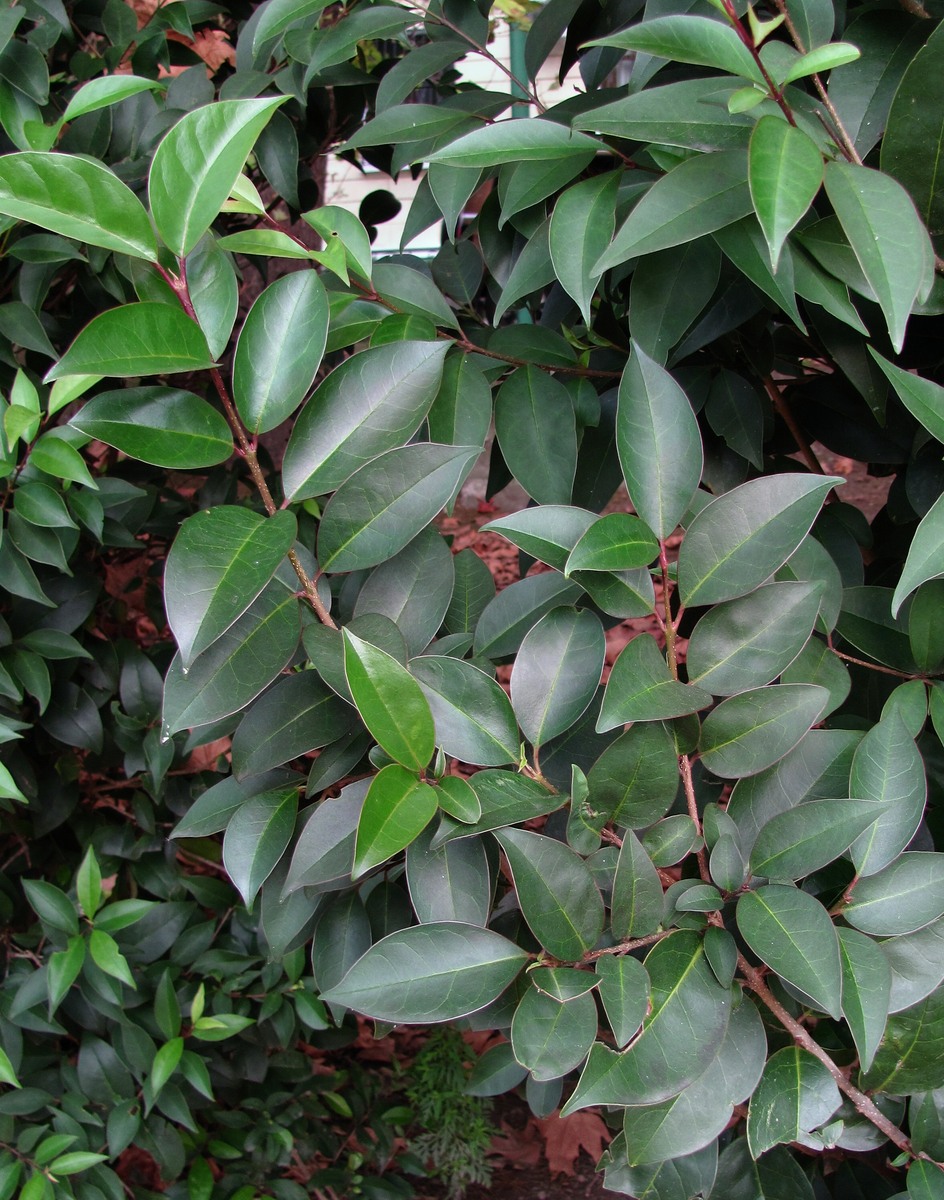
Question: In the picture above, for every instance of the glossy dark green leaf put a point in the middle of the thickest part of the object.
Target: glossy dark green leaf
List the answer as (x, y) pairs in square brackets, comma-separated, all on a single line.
[(77, 197), (197, 163), (901, 898), (702, 41), (556, 673), (616, 542), (211, 811), (512, 141), (925, 555), (397, 808), (551, 1037), (636, 903), (792, 933), (925, 1180), (817, 664), (624, 990), (386, 503), (413, 589), (547, 532), (866, 622), (452, 883), (279, 350), (256, 838), (743, 536), (691, 114), (866, 991), (164, 426), (641, 688), (922, 397), (796, 1094), (748, 642), (701, 195), (682, 1033), (220, 561), (434, 972), (752, 730), (911, 1054), (297, 715), (581, 227), (775, 1176), (390, 702), (324, 853), (658, 442), (214, 293), (885, 232), (916, 963), (634, 781), (338, 43), (887, 768), (506, 799), (473, 717), (372, 402), (558, 897), (535, 426), (785, 171), (149, 338), (239, 664), (800, 841), (506, 619), (669, 290)]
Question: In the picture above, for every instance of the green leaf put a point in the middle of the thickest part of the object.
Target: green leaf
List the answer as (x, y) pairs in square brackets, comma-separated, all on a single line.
[(914, 135), (458, 800), (776, 1176), (105, 954), (197, 163), (885, 232), (390, 702), (752, 730), (911, 1053), (411, 291), (277, 15), (923, 398), (800, 841), (901, 898), (514, 141), (658, 442), (397, 809), (149, 338), (413, 589), (669, 289), (239, 664), (624, 990), (925, 555), (634, 781), (785, 171), (615, 542), (505, 799), (211, 812), (167, 427), (166, 1061), (451, 883), (887, 768), (743, 536), (701, 41), (78, 1160), (700, 195), (472, 714), (338, 226), (636, 902), (279, 350), (683, 1031), (256, 838), (299, 714), (866, 991), (581, 227), (7, 1073), (63, 970), (748, 642), (641, 688), (822, 58), (106, 91), (551, 1037), (556, 673), (220, 561), (925, 1180), (795, 1095), (434, 972), (374, 401), (791, 933), (558, 897), (387, 502), (52, 906), (88, 884), (536, 430), (77, 197), (547, 532)]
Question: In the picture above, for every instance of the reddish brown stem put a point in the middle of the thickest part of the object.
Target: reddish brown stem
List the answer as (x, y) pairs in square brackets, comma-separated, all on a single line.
[(783, 410)]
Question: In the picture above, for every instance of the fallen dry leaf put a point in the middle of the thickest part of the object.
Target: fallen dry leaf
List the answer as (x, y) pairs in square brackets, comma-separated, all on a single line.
[(565, 1137)]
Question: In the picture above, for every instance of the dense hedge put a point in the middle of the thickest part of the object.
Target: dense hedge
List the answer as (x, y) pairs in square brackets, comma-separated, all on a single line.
[(699, 890)]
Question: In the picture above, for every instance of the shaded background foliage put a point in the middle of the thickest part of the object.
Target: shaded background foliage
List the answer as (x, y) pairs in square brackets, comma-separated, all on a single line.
[(700, 890)]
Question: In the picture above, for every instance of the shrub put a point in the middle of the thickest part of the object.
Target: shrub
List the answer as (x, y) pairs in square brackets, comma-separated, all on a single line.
[(707, 879)]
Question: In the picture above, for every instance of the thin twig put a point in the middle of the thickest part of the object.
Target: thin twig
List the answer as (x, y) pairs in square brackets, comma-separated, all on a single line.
[(688, 784), (626, 947), (785, 413), (861, 662)]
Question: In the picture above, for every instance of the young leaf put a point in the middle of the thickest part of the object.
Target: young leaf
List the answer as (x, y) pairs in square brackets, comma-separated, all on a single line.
[(397, 808), (785, 171), (822, 58), (197, 163), (390, 702), (105, 91)]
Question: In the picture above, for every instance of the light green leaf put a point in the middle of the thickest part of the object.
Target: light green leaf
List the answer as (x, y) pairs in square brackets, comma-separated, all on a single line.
[(658, 442), (277, 15), (615, 542), (165, 1063), (220, 561), (197, 163), (792, 933), (506, 799), (105, 91), (397, 808), (785, 171), (167, 427), (390, 702), (547, 532), (433, 972), (386, 503), (822, 58), (105, 954), (149, 338), (279, 350), (743, 536), (77, 197), (374, 401)]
